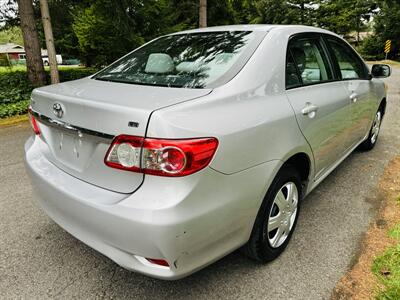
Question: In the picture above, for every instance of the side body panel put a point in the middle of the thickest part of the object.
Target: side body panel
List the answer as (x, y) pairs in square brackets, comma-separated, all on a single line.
[(250, 115), (327, 130), (378, 93), (354, 74), (362, 109)]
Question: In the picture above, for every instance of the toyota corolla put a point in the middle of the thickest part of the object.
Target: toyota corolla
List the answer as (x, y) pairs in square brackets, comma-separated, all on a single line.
[(201, 142)]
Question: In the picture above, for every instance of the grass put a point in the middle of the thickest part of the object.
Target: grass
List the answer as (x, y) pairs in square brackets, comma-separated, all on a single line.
[(395, 233), (13, 120), (23, 68), (389, 62), (387, 267), (13, 68)]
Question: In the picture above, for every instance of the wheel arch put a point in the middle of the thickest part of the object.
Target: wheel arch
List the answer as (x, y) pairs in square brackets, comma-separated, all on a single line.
[(301, 161)]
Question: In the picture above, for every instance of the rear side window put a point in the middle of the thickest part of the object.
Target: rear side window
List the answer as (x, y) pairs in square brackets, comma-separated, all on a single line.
[(292, 75), (347, 61), (306, 62)]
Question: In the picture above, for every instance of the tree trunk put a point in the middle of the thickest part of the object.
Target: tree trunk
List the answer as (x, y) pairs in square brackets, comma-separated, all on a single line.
[(203, 14), (48, 33), (34, 62)]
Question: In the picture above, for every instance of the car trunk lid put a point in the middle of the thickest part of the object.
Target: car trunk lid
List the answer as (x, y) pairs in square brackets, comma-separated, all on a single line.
[(93, 113)]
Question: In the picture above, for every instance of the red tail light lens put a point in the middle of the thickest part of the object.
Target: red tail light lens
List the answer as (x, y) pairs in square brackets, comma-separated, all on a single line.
[(160, 262), (33, 122), (160, 157)]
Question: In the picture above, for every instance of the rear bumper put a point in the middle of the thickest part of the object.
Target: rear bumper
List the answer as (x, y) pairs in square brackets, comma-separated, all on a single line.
[(189, 221)]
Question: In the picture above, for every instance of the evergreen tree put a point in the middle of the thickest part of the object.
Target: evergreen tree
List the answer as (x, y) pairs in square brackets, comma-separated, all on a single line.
[(386, 27)]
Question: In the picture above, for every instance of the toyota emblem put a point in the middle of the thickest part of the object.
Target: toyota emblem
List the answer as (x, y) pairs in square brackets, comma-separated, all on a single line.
[(58, 110)]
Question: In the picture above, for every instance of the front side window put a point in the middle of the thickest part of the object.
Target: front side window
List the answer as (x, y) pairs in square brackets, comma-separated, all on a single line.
[(307, 57), (350, 65), (193, 60)]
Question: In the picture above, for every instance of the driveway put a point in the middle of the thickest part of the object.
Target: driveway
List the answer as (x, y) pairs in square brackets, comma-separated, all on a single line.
[(40, 260)]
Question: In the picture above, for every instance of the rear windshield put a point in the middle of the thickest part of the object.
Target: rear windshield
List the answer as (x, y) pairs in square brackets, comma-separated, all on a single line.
[(194, 60)]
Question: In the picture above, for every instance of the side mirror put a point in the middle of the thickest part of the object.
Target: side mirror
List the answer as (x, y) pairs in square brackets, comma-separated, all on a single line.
[(381, 71)]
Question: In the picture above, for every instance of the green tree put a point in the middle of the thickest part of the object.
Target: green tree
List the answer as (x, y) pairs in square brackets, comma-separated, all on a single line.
[(273, 12), (284, 12), (106, 30), (362, 14), (244, 11), (345, 16), (386, 27), (220, 12), (11, 34), (183, 14), (100, 31), (62, 13), (302, 11)]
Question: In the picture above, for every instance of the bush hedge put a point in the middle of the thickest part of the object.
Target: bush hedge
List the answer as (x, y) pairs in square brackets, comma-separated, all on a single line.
[(12, 109), (15, 88)]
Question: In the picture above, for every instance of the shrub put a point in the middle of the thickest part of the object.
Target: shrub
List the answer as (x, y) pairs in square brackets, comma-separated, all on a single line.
[(12, 109), (73, 73), (15, 89)]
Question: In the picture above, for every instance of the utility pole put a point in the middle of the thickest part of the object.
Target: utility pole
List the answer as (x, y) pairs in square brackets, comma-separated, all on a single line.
[(34, 62), (48, 33), (203, 14)]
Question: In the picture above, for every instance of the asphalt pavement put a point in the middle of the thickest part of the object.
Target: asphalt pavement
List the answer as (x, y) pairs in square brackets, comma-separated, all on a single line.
[(38, 259)]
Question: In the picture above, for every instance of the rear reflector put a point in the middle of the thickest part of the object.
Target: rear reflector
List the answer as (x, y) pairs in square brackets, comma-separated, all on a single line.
[(160, 157), (160, 262), (33, 122)]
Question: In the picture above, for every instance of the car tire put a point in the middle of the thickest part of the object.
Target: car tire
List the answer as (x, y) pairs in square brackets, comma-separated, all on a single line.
[(264, 244), (370, 142)]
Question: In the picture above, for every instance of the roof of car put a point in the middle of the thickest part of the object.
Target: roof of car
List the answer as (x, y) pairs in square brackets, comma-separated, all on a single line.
[(251, 27)]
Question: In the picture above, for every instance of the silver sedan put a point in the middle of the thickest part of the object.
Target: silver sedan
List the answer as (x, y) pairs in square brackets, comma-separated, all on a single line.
[(201, 142)]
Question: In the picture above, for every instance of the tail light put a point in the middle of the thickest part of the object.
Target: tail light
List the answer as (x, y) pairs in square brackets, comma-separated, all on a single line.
[(160, 157), (33, 122)]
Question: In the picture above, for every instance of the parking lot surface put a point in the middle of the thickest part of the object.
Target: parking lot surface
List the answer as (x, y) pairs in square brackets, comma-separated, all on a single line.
[(38, 259)]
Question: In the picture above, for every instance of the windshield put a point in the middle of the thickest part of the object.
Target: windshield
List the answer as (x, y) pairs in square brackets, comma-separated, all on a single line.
[(193, 60)]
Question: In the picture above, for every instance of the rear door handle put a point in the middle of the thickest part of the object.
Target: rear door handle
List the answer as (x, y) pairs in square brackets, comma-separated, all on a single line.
[(310, 110)]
